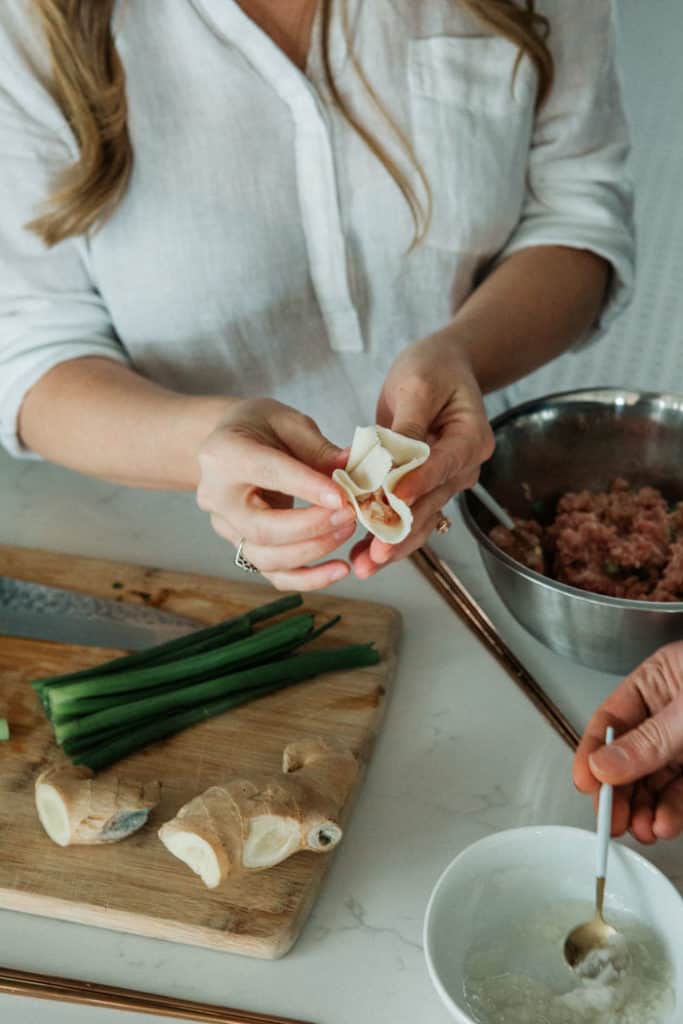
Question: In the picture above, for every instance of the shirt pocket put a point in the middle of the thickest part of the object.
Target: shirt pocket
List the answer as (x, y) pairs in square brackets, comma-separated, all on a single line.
[(471, 119)]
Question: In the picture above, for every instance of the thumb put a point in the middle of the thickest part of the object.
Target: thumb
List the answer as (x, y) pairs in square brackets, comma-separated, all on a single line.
[(413, 413), (306, 442), (652, 745)]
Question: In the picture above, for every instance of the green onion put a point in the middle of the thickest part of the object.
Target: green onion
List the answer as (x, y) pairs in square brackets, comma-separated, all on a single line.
[(4, 729), (101, 714), (190, 643), (218, 637), (301, 667), (269, 639), (139, 659), (130, 740), (273, 608), (70, 709), (79, 743)]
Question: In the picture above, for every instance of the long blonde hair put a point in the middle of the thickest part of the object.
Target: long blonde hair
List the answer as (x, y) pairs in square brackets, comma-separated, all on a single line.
[(88, 83)]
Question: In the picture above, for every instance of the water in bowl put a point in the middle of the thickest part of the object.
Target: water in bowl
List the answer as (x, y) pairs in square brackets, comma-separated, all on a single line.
[(521, 976)]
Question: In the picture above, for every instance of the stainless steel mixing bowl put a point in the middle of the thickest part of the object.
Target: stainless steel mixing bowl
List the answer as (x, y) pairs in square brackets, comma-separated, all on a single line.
[(567, 442)]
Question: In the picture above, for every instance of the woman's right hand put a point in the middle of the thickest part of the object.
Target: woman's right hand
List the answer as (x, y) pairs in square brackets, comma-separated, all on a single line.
[(259, 458), (646, 760)]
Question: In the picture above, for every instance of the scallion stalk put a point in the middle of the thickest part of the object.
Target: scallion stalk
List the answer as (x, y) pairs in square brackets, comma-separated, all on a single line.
[(80, 707), (185, 669), (190, 643), (106, 751), (299, 666)]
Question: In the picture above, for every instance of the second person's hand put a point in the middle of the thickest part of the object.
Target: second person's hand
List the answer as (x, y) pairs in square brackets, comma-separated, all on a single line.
[(645, 762), (431, 394), (260, 458)]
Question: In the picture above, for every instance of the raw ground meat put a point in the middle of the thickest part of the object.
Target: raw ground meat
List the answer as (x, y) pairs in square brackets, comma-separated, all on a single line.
[(377, 508), (621, 542)]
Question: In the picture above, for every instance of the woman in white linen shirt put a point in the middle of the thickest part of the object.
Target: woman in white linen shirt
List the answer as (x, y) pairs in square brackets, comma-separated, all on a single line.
[(235, 190)]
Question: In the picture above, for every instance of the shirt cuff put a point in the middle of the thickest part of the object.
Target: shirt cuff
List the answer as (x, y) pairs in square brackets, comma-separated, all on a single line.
[(17, 386), (615, 247)]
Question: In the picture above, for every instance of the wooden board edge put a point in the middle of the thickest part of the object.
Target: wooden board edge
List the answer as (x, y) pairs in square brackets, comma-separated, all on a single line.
[(56, 556), (53, 559), (90, 915)]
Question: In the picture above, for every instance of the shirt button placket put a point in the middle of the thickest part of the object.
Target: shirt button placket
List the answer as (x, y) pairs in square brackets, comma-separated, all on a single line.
[(315, 170), (319, 203)]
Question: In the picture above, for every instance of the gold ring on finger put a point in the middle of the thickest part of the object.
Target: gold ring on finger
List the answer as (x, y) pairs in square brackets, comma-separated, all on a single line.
[(443, 524)]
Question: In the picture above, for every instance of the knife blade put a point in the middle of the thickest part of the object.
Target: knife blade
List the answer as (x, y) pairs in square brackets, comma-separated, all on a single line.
[(41, 612)]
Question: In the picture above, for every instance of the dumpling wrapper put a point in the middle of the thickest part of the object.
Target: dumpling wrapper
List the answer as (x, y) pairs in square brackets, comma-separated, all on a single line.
[(378, 459)]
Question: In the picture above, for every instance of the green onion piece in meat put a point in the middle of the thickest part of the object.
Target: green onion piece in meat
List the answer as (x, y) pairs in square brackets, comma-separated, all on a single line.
[(4, 729)]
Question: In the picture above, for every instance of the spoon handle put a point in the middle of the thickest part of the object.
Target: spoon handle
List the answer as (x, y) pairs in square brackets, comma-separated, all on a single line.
[(604, 820), (492, 505)]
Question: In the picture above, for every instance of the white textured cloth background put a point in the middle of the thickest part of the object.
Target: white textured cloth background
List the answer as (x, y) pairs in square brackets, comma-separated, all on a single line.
[(644, 347)]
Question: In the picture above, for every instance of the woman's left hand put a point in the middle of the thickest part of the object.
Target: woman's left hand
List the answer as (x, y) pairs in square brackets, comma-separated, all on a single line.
[(431, 394)]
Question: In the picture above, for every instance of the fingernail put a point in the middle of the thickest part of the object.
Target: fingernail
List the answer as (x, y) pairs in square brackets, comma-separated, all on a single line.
[(609, 760), (343, 534), (330, 499), (344, 516), (362, 571), (381, 557), (338, 573), (660, 831)]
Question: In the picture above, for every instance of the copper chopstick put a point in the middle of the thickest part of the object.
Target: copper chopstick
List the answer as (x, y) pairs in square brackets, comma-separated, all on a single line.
[(442, 577), (69, 990)]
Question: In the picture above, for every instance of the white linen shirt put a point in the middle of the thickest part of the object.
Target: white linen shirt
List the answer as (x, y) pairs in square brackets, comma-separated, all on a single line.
[(261, 249)]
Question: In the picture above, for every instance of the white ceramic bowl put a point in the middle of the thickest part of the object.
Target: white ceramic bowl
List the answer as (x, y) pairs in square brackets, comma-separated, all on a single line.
[(540, 866)]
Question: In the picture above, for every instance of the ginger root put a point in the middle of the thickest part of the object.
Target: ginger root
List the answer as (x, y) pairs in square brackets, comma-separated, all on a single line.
[(75, 808), (253, 824)]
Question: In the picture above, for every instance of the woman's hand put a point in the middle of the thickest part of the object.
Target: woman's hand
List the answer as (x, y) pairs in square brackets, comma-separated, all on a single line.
[(646, 760), (260, 457), (430, 393)]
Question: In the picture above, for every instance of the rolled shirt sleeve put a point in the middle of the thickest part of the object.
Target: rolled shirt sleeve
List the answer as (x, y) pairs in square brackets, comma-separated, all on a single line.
[(50, 310), (579, 191)]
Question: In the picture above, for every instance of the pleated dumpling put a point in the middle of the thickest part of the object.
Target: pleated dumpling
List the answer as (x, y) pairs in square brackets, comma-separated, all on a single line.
[(379, 458)]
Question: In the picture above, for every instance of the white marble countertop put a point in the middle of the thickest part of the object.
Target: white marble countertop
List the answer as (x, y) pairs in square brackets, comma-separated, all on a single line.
[(462, 753)]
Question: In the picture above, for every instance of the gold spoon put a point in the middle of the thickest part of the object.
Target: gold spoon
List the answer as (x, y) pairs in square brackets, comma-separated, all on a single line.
[(595, 934)]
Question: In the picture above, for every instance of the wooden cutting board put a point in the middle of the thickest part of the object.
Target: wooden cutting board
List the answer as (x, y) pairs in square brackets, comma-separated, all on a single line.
[(136, 885)]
